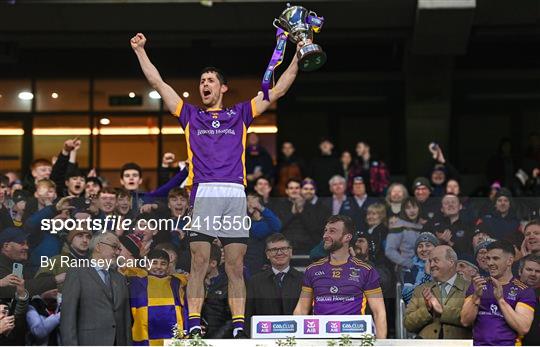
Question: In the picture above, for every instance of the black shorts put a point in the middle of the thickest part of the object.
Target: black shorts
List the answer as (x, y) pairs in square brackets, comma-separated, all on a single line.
[(200, 237)]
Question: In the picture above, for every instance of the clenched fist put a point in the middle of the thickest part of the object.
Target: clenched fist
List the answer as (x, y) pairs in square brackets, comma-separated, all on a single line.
[(138, 41)]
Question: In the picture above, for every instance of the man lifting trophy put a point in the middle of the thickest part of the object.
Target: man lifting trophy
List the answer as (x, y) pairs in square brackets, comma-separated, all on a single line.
[(298, 24)]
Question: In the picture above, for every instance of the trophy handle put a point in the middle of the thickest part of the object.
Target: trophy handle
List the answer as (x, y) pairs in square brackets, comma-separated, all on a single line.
[(312, 13), (274, 23)]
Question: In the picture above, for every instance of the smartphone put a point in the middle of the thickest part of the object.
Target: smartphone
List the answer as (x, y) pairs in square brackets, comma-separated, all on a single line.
[(18, 270)]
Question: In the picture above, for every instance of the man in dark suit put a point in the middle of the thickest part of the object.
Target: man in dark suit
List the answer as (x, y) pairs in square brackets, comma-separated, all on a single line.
[(95, 309), (276, 290)]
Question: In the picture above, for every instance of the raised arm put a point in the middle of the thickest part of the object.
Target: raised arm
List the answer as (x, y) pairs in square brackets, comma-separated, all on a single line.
[(283, 84), (169, 96)]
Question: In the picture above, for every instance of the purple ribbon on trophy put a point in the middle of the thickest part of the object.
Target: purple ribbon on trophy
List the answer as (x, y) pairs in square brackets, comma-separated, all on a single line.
[(298, 25), (277, 59)]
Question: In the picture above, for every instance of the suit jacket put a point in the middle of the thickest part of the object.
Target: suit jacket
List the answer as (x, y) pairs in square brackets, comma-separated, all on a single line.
[(428, 325), (91, 314), (264, 296)]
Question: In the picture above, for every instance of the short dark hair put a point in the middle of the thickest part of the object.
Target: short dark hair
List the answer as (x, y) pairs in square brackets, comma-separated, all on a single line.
[(256, 195), (130, 166), (503, 245), (262, 178), (4, 180), (215, 253), (277, 237), (530, 257), (532, 222), (158, 254), (348, 224), (219, 73), (293, 180), (95, 180)]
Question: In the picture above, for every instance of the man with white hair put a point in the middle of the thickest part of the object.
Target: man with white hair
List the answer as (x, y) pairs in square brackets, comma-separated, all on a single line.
[(434, 310), (338, 188), (95, 309)]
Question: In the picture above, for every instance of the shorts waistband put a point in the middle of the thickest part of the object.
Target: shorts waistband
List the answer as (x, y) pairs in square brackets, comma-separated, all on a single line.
[(223, 185)]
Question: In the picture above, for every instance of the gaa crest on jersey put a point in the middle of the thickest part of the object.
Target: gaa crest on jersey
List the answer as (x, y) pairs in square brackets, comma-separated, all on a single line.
[(215, 124), (334, 289)]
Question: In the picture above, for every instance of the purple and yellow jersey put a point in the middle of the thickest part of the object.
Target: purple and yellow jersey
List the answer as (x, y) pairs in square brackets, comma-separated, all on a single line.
[(341, 289), (216, 141), (490, 327), (157, 304)]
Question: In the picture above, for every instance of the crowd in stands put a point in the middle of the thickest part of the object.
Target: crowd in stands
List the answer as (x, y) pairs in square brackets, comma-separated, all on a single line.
[(467, 267)]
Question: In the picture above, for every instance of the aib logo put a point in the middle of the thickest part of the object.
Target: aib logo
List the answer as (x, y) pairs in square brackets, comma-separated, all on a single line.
[(264, 327), (311, 326), (333, 327)]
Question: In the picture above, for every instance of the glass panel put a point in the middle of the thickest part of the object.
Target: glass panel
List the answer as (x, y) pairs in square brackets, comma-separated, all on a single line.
[(11, 138), (9, 95), (122, 89), (62, 95), (50, 132), (129, 139)]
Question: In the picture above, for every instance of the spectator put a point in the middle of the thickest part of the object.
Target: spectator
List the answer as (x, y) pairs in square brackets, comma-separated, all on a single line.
[(449, 228), (89, 293), (529, 272), (395, 195), (435, 307), (403, 233), (75, 183), (325, 166), (480, 253), (356, 205), (258, 161), (93, 187), (422, 191), (263, 188), (40, 169), (123, 203), (14, 249), (274, 291), (75, 247), (130, 249), (338, 188), (500, 310), (377, 230), (440, 171), (349, 170), (289, 166), (13, 327), (467, 214), (374, 171), (43, 319), (263, 224), (503, 224), (531, 243), (467, 268), (4, 191), (419, 272), (300, 221), (216, 312), (157, 301), (480, 234), (356, 281)]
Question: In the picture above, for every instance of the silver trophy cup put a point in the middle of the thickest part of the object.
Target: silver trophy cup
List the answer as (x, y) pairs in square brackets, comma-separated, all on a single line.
[(294, 20)]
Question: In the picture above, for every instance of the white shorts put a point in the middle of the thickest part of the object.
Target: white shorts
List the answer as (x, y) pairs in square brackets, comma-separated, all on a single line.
[(220, 210)]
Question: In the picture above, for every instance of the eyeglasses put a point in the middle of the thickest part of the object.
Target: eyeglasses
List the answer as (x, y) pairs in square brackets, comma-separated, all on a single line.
[(116, 247), (274, 251)]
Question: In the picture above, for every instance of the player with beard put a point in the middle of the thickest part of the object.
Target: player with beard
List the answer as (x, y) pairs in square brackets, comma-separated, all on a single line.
[(341, 284), (216, 146)]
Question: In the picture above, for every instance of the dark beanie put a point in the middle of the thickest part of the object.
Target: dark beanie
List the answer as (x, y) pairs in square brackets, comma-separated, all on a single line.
[(132, 245)]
